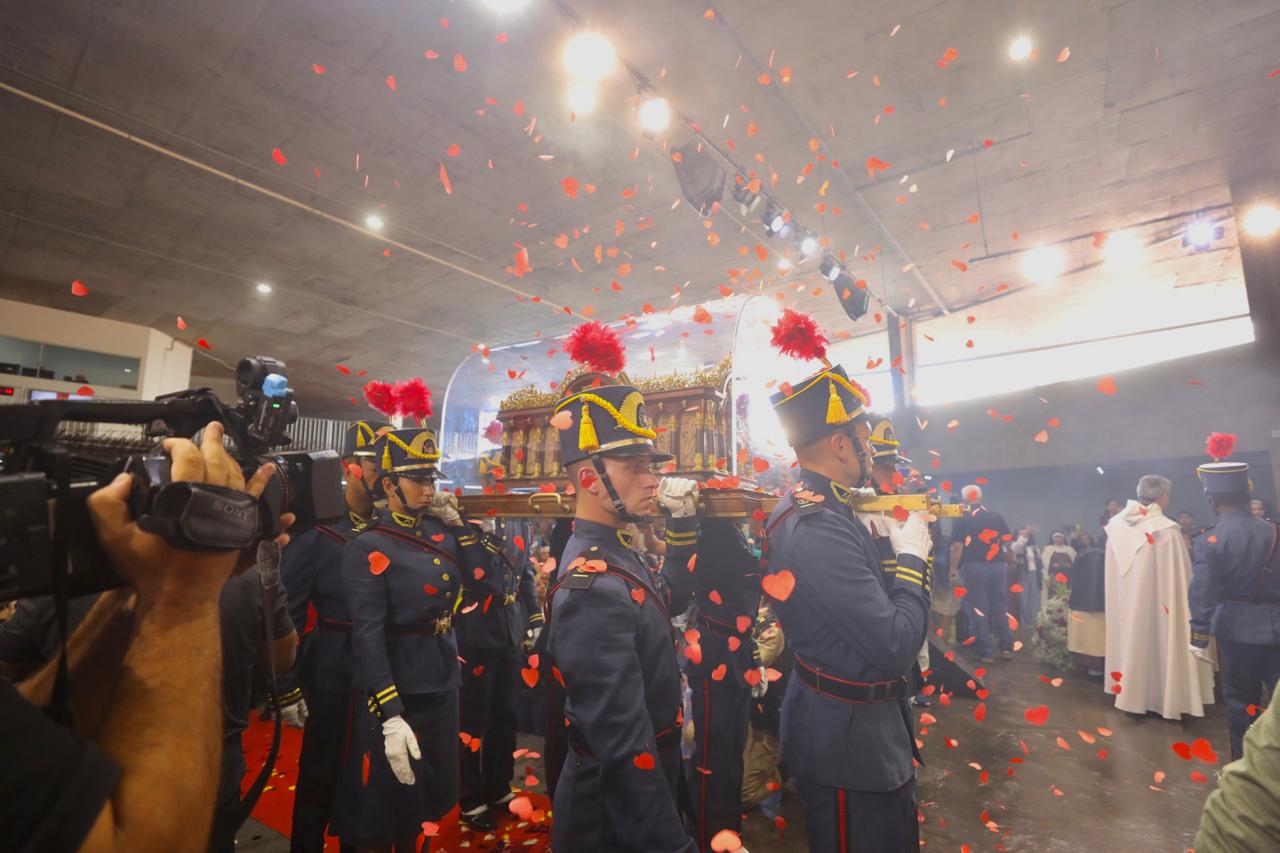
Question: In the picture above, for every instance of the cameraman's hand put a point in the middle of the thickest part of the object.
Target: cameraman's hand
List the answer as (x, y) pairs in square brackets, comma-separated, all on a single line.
[(156, 570)]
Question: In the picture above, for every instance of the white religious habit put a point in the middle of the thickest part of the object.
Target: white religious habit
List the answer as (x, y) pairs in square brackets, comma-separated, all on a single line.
[(1148, 570)]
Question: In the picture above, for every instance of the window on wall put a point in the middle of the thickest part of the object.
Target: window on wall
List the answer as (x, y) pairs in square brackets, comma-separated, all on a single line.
[(37, 360)]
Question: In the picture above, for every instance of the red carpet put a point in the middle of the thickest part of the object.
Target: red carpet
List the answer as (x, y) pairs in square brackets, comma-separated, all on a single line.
[(275, 808)]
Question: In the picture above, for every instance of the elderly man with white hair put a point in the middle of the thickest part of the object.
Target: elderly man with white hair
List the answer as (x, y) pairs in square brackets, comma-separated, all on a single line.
[(1149, 665), (978, 543)]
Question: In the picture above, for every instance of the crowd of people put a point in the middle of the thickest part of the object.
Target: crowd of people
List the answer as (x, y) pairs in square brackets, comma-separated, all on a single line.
[(682, 668)]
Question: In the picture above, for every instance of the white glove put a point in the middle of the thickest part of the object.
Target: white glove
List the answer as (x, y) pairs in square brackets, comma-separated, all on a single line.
[(678, 496), (532, 634), (444, 506), (878, 523), (758, 691), (400, 744), (912, 536), (295, 715), (1202, 654)]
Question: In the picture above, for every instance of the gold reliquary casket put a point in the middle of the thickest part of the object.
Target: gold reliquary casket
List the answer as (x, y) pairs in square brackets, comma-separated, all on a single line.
[(706, 372)]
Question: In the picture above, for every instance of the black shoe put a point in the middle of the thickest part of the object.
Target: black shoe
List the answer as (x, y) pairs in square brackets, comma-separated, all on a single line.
[(480, 819)]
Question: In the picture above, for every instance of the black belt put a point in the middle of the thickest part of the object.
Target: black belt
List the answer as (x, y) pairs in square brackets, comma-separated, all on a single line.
[(1253, 599), (333, 625), (665, 738), (431, 626), (860, 692)]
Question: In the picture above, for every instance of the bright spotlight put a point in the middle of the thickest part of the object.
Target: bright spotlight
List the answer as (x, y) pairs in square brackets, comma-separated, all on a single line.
[(806, 243), (582, 98), (1262, 220), (784, 264), (503, 7), (589, 56), (1020, 48), (654, 115), (263, 287), (1122, 249), (1043, 263), (373, 222), (1200, 234)]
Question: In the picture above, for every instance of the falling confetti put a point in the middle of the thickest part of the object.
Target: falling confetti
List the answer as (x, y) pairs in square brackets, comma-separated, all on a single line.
[(78, 288), (459, 63), (444, 179), (317, 67), (278, 156)]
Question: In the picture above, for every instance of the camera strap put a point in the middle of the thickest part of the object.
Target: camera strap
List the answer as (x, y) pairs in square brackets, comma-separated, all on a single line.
[(269, 575)]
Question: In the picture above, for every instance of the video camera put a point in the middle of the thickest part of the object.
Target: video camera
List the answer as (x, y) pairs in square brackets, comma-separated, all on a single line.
[(54, 453)]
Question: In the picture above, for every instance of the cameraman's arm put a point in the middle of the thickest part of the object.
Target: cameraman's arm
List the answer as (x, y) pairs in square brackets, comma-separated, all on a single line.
[(163, 727)]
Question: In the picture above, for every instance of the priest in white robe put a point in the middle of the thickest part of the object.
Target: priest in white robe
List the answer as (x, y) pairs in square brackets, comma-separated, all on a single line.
[(1149, 665)]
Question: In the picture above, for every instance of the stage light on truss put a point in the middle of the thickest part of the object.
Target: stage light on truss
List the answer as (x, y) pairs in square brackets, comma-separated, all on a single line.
[(775, 220), (748, 199), (654, 115), (264, 288), (373, 222), (1020, 48), (504, 7), (830, 268), (582, 97), (806, 243), (1043, 263), (589, 56), (1261, 220)]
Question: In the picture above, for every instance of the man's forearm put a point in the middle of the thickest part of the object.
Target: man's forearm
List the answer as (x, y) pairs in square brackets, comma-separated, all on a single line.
[(95, 653), (164, 727)]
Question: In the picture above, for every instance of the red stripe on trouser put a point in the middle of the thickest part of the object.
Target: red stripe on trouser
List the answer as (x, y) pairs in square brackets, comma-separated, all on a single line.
[(842, 829), (706, 761)]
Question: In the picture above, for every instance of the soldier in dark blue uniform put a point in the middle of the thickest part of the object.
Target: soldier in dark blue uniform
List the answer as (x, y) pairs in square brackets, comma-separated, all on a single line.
[(403, 575), (1235, 595), (311, 570), (491, 638), (723, 668), (611, 642), (846, 728)]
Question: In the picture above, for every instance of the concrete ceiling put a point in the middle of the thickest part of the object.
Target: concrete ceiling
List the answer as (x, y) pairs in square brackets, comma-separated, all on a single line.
[(155, 183)]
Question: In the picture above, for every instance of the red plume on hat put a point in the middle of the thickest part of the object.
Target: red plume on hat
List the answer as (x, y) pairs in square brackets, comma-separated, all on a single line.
[(413, 399), (597, 347), (796, 334), (1220, 445), (381, 396)]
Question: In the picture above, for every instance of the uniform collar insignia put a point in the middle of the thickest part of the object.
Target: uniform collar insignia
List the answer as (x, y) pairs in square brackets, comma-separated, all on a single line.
[(626, 537), (404, 520), (841, 493), (356, 518)]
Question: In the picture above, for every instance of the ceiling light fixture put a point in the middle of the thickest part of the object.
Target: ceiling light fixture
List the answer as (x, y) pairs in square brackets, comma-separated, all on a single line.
[(748, 199), (263, 287), (1122, 249), (589, 56), (504, 7), (1201, 233), (806, 243), (1020, 48), (1261, 220), (373, 222), (830, 268), (654, 114), (784, 264), (1043, 263), (775, 219), (582, 97)]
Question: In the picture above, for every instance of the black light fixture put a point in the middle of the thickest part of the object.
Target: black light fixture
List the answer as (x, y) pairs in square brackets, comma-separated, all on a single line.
[(806, 243), (700, 176), (775, 220), (854, 300), (830, 268), (748, 199)]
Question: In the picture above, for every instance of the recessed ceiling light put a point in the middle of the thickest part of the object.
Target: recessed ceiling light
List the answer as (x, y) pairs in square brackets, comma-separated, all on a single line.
[(503, 7), (1020, 48), (1262, 220), (589, 56), (374, 222), (263, 287), (1043, 263)]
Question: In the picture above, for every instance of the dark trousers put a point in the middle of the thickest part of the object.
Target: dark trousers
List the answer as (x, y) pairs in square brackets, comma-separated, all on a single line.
[(721, 712), (227, 812), (986, 593), (488, 712), (840, 821), (318, 766), (1246, 669)]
